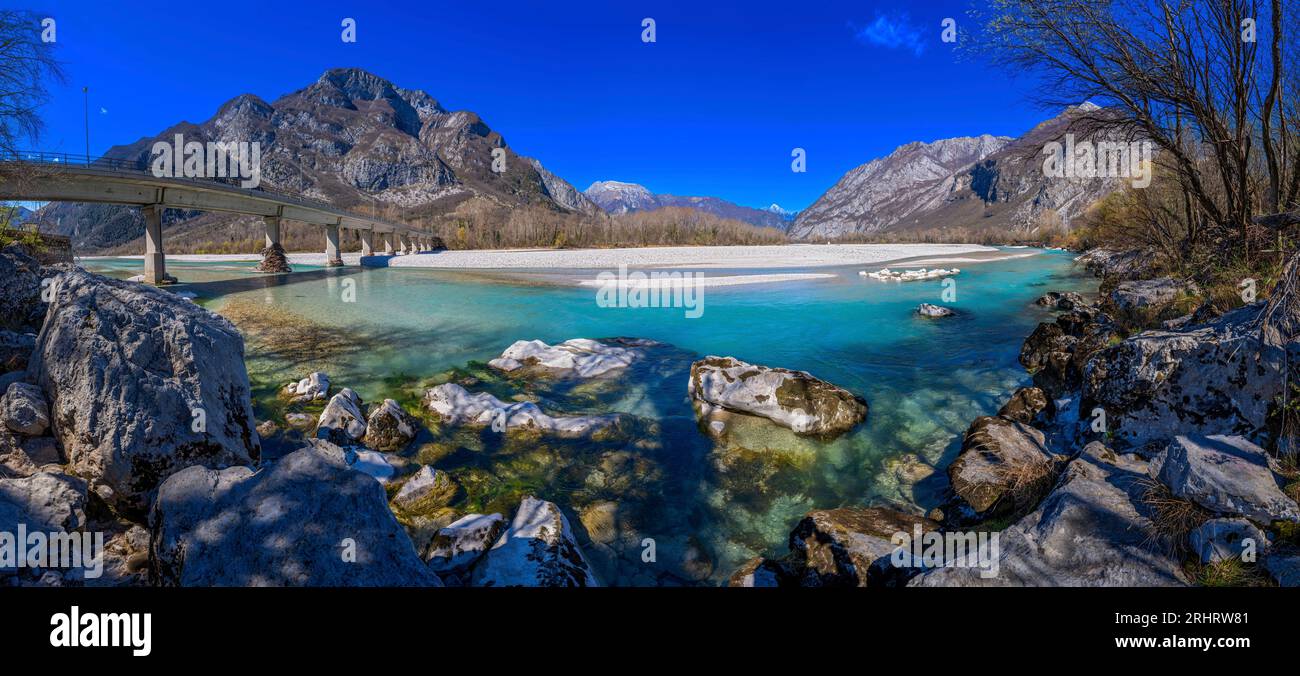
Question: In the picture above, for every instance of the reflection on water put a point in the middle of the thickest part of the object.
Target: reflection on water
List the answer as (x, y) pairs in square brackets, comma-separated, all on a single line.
[(392, 332)]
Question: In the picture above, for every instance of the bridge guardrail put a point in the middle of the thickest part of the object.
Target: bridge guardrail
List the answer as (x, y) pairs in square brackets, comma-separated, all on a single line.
[(60, 159)]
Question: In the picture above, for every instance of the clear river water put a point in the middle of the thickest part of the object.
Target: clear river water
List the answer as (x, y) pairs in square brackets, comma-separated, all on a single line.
[(708, 506)]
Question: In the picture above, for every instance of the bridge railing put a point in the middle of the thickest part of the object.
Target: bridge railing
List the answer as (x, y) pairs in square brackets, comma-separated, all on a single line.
[(60, 159)]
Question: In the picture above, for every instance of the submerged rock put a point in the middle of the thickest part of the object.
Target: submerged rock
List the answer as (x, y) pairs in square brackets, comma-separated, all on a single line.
[(1004, 467), (342, 421), (315, 386), (141, 383), (793, 399), (305, 520), (457, 406), (389, 427), (427, 485), (1226, 475), (24, 410), (538, 550), (579, 357), (1223, 539), (934, 311), (456, 548), (1092, 530)]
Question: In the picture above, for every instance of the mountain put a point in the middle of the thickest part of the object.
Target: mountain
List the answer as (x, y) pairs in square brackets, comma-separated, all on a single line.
[(14, 214), (617, 197), (782, 212), (977, 183), (353, 139)]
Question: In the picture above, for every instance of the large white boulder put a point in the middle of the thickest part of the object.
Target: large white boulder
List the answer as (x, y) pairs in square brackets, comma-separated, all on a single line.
[(315, 386), (580, 357), (538, 550), (793, 399), (342, 421), (457, 406), (141, 384)]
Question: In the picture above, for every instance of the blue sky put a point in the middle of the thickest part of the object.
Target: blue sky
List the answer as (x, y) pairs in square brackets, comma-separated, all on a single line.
[(713, 107)]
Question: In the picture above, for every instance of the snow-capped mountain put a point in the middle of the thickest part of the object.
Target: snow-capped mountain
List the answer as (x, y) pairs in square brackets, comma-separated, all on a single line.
[(777, 209), (618, 197)]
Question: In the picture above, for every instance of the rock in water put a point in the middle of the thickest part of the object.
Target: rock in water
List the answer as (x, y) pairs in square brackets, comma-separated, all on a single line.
[(314, 386), (761, 572), (24, 409), (456, 548), (342, 421), (1091, 531), (305, 520), (274, 260), (538, 550), (793, 399), (456, 406), (428, 483), (851, 546), (389, 428), (579, 357), (1226, 475), (1027, 404), (141, 384), (934, 311), (1061, 300), (21, 308), (1004, 466)]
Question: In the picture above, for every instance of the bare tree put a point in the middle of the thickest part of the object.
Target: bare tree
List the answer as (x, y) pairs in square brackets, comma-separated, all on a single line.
[(1185, 74), (27, 64)]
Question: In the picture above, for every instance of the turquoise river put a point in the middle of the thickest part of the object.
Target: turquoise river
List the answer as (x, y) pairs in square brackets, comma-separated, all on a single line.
[(707, 506)]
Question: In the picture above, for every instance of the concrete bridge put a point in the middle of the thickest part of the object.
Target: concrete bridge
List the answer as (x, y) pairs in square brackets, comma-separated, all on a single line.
[(58, 177)]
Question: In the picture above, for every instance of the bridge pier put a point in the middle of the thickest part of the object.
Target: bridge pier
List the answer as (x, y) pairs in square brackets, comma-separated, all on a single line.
[(367, 243), (387, 238), (332, 257), (273, 258), (155, 261)]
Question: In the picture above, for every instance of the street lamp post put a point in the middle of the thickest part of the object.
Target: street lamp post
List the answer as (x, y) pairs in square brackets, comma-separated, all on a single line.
[(85, 94)]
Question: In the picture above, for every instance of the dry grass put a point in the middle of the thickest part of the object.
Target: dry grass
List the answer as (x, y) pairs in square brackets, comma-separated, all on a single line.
[(1028, 482), (1228, 573), (1173, 517)]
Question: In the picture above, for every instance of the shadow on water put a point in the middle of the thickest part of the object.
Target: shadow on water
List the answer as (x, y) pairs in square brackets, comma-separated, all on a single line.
[(260, 281)]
